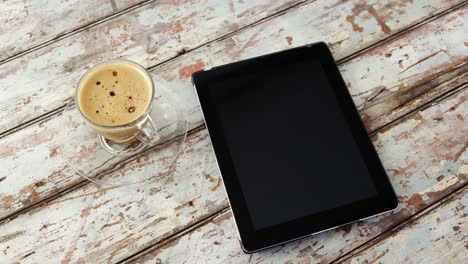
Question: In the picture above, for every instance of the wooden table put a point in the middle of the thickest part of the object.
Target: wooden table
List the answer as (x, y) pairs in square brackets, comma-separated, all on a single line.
[(404, 61)]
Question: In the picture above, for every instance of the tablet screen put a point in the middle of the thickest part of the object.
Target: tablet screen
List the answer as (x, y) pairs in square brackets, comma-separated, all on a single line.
[(292, 149)]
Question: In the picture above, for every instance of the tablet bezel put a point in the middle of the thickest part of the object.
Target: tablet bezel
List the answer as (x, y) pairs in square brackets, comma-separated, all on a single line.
[(253, 240)]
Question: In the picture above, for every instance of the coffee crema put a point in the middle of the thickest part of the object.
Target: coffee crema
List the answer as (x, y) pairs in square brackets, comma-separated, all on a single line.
[(114, 94)]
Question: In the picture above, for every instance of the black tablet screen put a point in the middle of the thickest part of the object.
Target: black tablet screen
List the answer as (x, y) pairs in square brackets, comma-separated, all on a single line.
[(292, 149)]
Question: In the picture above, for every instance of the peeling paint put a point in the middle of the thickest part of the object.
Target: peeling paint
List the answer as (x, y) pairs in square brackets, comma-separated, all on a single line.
[(186, 72), (422, 192), (190, 181)]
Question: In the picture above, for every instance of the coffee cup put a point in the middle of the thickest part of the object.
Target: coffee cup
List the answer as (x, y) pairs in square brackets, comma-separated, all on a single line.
[(115, 99)]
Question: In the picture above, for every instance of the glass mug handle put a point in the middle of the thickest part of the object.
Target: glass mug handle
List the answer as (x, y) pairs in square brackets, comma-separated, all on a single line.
[(148, 132), (147, 135)]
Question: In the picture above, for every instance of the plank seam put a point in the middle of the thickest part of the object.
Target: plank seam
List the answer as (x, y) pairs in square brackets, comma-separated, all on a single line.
[(279, 13), (424, 106), (182, 52), (84, 182), (423, 211), (74, 31), (55, 112), (407, 222), (396, 228), (404, 31), (236, 31), (180, 233)]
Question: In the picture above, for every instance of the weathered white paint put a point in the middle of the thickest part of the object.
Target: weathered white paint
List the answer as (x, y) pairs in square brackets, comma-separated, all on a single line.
[(151, 34), (26, 24), (47, 76), (436, 52), (437, 237), (388, 108), (119, 230), (96, 224), (407, 149), (23, 155), (171, 198)]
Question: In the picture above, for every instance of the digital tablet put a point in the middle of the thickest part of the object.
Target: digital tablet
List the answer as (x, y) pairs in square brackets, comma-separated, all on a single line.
[(293, 152)]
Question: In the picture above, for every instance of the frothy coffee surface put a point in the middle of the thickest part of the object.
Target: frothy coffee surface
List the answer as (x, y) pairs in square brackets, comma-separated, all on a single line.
[(114, 94)]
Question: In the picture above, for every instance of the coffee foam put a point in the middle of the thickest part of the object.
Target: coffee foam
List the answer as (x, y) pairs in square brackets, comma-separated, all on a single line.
[(114, 94)]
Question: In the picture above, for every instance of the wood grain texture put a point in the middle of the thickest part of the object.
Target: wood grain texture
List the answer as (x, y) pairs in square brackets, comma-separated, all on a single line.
[(107, 224), (437, 53), (399, 104), (23, 156), (160, 31), (149, 35), (440, 236), (425, 157), (26, 24), (97, 223)]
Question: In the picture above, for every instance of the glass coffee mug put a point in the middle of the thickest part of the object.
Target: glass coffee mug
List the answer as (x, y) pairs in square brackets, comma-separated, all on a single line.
[(115, 100)]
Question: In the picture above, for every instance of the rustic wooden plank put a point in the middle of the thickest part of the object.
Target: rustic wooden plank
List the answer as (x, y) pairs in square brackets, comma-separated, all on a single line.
[(400, 103), (437, 237), (426, 159), (129, 215), (440, 55), (26, 24), (21, 150), (103, 225), (160, 31), (138, 23), (149, 35)]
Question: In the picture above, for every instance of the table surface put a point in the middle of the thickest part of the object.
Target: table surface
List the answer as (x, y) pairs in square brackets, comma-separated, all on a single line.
[(404, 62)]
